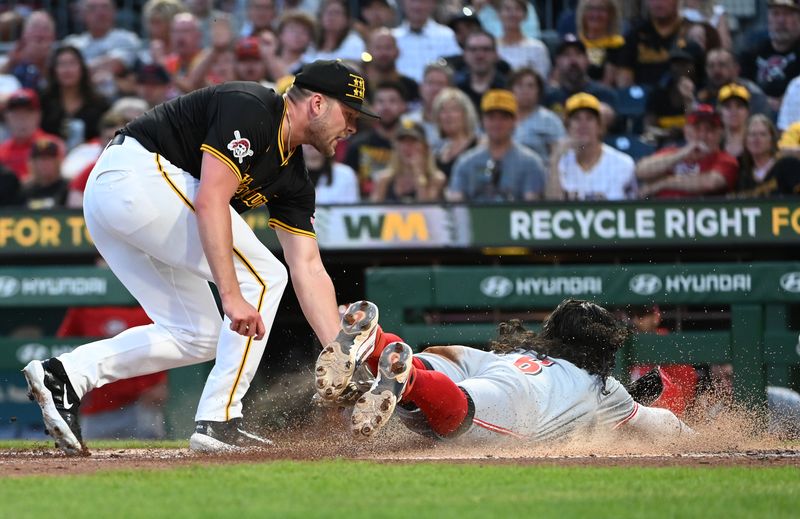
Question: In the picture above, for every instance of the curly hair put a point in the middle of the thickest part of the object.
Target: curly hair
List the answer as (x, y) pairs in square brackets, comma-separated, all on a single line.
[(580, 332)]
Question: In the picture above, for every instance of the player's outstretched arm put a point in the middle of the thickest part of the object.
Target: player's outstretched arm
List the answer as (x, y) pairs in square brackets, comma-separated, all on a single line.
[(655, 423), (312, 284)]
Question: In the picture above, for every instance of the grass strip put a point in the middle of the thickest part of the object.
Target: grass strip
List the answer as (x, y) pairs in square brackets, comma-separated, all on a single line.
[(358, 488)]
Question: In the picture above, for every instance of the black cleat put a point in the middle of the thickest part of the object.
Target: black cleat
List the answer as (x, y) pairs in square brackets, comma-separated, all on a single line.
[(49, 386), (225, 437)]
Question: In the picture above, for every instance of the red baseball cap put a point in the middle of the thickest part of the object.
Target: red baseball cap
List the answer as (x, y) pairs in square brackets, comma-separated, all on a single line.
[(248, 48), (704, 112), (23, 98)]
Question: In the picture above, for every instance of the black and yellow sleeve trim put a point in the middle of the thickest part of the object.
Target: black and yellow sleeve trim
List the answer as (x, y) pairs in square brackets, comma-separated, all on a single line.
[(273, 223), (221, 156)]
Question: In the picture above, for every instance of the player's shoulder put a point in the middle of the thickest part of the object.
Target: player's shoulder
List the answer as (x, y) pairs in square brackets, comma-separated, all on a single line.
[(251, 91)]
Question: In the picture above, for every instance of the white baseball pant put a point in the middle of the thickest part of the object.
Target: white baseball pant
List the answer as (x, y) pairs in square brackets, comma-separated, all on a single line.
[(501, 394), (139, 211)]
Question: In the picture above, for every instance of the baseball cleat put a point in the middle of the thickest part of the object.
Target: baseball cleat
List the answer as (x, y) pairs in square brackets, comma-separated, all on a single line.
[(354, 343), (212, 437), (51, 390), (376, 406)]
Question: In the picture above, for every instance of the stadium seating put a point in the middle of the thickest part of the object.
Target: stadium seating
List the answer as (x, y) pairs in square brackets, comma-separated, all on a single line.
[(632, 144)]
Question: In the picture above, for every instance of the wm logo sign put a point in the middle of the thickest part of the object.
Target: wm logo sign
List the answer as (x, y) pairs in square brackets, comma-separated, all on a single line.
[(387, 227)]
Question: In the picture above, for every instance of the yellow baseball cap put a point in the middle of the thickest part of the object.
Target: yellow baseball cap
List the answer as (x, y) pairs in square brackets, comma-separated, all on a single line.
[(582, 101), (409, 128), (790, 138), (499, 99), (732, 90)]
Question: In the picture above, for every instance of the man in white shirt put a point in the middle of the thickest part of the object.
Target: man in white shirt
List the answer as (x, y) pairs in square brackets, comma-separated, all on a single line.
[(790, 106), (102, 44), (584, 168), (422, 40)]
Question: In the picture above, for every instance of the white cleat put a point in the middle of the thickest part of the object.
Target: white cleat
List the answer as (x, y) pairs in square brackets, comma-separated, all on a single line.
[(376, 406), (354, 343)]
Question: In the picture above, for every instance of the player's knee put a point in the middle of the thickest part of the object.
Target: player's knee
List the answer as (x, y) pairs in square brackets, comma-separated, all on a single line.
[(198, 343), (272, 273), (279, 276)]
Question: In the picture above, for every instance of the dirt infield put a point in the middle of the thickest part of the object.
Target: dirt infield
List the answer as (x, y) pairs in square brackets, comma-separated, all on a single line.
[(708, 448), (49, 462)]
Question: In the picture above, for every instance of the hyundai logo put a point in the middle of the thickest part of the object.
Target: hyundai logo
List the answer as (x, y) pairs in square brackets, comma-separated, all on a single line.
[(9, 286), (645, 284), (497, 286), (791, 282)]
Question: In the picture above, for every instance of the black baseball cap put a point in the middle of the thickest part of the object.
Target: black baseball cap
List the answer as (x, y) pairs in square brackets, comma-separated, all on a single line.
[(45, 147), (152, 74), (465, 15), (23, 98), (337, 80), (570, 40)]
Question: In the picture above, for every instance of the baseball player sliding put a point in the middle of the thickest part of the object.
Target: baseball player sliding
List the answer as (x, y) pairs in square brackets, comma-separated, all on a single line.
[(529, 387), (163, 207)]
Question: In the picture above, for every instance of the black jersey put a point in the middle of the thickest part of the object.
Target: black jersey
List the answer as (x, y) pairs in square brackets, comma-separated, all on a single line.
[(239, 123), (646, 51)]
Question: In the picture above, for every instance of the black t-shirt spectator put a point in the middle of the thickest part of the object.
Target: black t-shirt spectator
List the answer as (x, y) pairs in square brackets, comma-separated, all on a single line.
[(9, 188), (446, 167), (410, 88), (45, 197), (458, 65), (770, 69), (666, 106), (57, 122), (464, 85), (367, 154), (783, 178), (597, 65), (786, 173), (646, 52)]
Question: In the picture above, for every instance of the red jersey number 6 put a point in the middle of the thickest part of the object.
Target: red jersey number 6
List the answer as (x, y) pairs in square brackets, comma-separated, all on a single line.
[(531, 366)]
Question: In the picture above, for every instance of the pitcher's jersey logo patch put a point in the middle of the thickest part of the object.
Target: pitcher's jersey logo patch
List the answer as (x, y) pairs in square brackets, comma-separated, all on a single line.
[(240, 146)]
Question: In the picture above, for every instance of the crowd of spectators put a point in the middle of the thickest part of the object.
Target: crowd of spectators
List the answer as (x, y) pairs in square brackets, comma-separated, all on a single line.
[(631, 100)]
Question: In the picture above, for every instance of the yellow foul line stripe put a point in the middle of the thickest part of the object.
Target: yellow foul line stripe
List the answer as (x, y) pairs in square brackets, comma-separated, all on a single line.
[(247, 264)]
